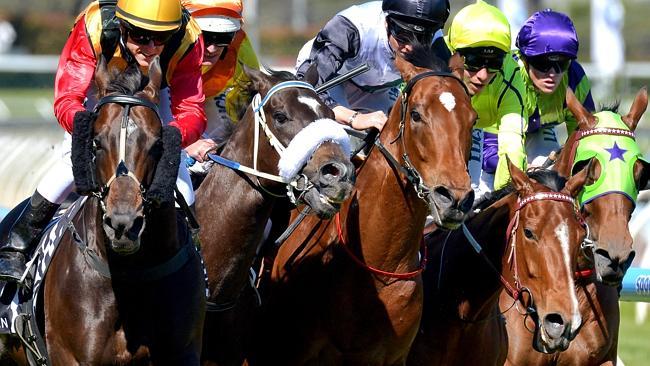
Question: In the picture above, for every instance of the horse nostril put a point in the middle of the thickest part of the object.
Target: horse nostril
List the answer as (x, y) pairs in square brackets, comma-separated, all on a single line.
[(332, 171), (466, 203), (443, 196), (554, 325)]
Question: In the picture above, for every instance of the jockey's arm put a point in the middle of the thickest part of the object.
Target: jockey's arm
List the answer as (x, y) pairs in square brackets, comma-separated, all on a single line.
[(73, 76), (338, 41), (186, 90), (512, 126)]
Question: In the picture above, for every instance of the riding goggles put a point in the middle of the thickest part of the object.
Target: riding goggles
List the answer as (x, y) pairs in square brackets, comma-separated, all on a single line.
[(143, 37), (485, 58), (405, 36), (219, 39), (545, 63)]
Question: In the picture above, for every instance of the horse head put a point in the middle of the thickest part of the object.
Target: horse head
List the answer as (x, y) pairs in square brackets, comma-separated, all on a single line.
[(305, 145), (122, 154), (430, 127), (544, 237), (605, 141)]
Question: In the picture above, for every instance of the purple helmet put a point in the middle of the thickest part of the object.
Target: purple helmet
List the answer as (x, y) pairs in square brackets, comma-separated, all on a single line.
[(548, 32)]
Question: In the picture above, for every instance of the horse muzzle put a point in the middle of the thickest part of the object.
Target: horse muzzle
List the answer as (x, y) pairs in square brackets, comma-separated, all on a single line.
[(124, 233), (448, 208), (554, 334), (333, 185)]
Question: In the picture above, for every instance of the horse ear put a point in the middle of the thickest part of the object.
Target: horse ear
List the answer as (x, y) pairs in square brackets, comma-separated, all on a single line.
[(586, 120), (311, 75), (457, 65), (519, 179), (102, 76), (261, 82), (152, 90), (575, 183), (637, 109)]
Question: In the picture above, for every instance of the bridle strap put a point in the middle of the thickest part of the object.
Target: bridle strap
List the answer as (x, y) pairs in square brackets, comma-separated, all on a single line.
[(596, 131), (127, 101)]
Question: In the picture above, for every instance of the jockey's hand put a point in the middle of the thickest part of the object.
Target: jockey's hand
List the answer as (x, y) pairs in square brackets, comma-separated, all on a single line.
[(200, 149), (366, 120)]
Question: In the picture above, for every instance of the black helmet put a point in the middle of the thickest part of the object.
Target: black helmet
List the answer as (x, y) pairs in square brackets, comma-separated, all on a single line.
[(416, 15)]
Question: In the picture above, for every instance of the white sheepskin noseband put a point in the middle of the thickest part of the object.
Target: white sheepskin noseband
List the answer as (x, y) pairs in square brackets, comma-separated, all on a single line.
[(304, 144)]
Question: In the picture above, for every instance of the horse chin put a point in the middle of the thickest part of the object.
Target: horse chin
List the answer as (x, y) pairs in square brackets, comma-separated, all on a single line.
[(450, 219), (125, 246), (544, 344), (323, 206)]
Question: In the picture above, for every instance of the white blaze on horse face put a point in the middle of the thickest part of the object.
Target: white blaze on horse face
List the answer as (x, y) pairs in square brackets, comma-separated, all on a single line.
[(448, 101), (562, 234), (131, 126), (314, 104)]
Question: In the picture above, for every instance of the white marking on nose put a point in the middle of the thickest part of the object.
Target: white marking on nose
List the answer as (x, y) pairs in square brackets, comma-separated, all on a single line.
[(448, 101), (311, 102), (562, 234)]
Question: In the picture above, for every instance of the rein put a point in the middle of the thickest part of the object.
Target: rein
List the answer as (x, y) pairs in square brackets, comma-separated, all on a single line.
[(376, 271)]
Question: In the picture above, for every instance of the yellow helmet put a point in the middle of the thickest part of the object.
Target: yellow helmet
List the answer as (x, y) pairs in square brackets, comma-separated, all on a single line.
[(153, 15), (479, 25)]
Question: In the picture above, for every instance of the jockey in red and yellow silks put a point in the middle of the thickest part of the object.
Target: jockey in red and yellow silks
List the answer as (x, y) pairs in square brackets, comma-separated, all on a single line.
[(91, 36), (227, 47)]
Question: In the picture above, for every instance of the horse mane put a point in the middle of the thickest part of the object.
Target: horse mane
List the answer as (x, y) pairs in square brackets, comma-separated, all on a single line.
[(546, 177), (611, 107), (127, 82), (424, 56), (249, 89)]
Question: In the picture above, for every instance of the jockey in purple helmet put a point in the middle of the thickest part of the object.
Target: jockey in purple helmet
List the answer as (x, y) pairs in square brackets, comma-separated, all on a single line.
[(547, 51)]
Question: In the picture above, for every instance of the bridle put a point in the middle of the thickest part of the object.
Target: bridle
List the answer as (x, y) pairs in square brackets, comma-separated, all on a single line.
[(126, 101), (300, 183), (407, 168), (517, 290)]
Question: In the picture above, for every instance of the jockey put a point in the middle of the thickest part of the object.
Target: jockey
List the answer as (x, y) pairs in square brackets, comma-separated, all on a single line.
[(481, 34), (227, 47), (123, 31), (547, 51), (371, 33)]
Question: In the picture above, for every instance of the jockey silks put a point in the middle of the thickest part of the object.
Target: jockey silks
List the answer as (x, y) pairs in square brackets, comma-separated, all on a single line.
[(96, 32)]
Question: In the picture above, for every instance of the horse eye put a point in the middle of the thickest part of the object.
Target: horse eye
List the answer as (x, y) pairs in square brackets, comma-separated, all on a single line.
[(415, 116), (280, 117), (529, 234)]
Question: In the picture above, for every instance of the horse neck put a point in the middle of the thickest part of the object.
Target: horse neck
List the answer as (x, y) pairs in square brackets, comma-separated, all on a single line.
[(391, 215), (475, 284)]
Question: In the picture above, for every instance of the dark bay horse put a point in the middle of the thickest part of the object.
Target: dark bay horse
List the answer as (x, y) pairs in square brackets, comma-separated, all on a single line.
[(126, 285), (530, 236), (607, 214), (348, 291), (233, 208)]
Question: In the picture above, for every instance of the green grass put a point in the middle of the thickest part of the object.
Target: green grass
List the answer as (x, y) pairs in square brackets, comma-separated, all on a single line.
[(634, 340), (23, 103)]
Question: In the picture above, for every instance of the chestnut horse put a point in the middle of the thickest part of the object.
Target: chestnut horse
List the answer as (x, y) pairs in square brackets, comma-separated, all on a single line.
[(233, 208), (607, 215), (349, 291), (126, 285)]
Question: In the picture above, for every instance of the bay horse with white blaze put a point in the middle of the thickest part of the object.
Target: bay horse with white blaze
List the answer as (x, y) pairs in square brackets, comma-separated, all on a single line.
[(233, 208), (525, 241), (348, 291), (604, 141), (126, 285)]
